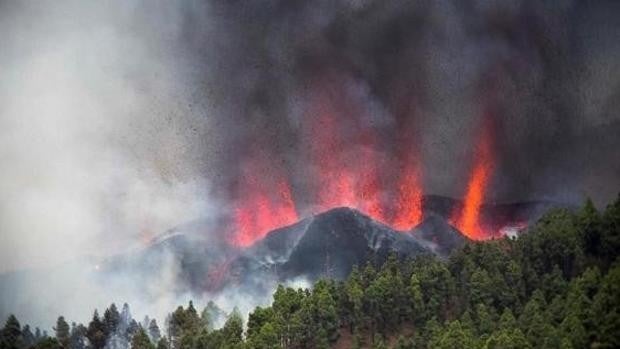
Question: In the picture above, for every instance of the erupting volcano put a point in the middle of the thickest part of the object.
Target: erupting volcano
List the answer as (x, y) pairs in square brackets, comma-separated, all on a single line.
[(265, 204), (467, 220), (346, 163)]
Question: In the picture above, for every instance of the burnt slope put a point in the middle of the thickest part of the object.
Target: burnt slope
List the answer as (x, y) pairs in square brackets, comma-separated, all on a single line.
[(330, 244), (438, 235)]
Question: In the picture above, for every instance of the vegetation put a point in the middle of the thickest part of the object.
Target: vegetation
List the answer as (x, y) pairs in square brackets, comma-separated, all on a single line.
[(557, 286)]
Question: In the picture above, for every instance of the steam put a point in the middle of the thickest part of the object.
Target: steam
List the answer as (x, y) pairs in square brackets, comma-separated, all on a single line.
[(102, 147)]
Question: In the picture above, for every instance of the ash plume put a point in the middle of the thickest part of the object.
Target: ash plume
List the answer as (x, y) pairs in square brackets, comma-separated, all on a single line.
[(123, 119), (436, 65)]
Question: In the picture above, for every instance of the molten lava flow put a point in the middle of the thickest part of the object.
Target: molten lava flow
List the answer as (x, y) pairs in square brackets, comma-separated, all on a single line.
[(262, 207), (350, 162), (468, 220), (336, 182), (348, 167), (343, 153), (409, 200), (369, 188)]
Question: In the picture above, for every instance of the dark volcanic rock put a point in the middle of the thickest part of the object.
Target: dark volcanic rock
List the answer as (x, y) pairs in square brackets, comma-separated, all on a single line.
[(330, 244), (436, 234)]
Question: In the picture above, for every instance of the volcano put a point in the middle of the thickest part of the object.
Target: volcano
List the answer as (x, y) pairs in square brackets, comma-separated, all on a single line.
[(329, 245), (326, 244), (198, 258)]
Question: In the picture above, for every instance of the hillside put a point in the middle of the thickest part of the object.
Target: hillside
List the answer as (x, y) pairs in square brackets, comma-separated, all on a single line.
[(555, 286)]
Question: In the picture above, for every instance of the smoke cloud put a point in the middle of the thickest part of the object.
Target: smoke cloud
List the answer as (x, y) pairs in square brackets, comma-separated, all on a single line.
[(120, 120)]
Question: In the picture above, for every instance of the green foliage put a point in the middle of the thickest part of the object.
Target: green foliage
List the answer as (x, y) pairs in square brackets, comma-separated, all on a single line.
[(62, 332), (111, 319), (11, 336), (48, 343), (556, 286), (28, 338), (233, 330), (78, 336), (162, 343), (141, 340), (153, 331), (507, 339), (96, 332), (453, 336), (403, 343), (379, 343), (606, 310), (610, 237)]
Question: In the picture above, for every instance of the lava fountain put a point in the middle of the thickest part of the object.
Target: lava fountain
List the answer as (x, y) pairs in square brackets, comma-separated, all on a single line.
[(468, 219), (348, 164), (408, 201), (266, 203)]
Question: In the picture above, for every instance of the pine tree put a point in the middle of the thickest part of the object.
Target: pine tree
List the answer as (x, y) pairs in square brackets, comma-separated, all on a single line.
[(111, 319), (233, 329), (480, 287), (453, 336), (154, 332), (572, 328), (212, 314), (78, 336), (141, 340), (322, 340), (192, 320), (606, 310), (96, 332), (417, 302), (507, 321), (590, 225), (11, 337), (265, 338), (484, 320), (259, 318), (327, 316), (163, 343), (62, 330), (610, 240), (48, 343), (355, 296), (507, 339), (402, 343), (28, 339), (379, 343)]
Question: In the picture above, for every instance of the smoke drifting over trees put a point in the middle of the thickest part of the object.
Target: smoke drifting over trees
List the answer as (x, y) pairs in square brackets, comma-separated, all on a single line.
[(122, 119)]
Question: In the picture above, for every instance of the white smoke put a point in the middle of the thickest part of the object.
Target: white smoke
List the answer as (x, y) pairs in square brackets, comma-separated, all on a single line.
[(101, 148)]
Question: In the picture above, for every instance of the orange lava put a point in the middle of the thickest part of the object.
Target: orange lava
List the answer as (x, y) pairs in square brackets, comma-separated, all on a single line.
[(345, 155), (468, 219), (409, 201), (262, 208), (346, 165)]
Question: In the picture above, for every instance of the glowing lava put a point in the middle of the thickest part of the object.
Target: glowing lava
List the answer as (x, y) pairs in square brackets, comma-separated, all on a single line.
[(348, 165), (345, 154), (263, 206), (409, 201), (408, 211), (468, 219)]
